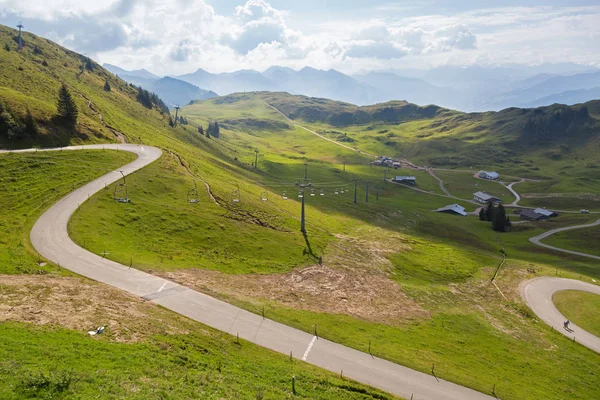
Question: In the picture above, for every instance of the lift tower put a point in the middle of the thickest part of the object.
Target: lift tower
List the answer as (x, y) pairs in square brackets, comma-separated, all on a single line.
[(20, 26)]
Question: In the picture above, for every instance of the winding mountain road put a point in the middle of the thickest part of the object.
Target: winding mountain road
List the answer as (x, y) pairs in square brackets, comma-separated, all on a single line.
[(537, 239), (538, 293), (50, 238)]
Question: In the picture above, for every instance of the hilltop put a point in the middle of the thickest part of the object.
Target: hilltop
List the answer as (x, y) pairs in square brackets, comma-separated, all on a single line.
[(32, 76)]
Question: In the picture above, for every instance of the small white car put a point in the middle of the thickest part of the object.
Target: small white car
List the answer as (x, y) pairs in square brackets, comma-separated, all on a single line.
[(584, 211)]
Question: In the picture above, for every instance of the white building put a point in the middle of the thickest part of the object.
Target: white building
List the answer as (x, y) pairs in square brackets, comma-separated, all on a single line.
[(484, 198), (405, 179), (491, 175), (453, 209)]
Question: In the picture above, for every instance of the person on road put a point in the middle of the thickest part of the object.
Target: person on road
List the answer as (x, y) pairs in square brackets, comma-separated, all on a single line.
[(566, 324)]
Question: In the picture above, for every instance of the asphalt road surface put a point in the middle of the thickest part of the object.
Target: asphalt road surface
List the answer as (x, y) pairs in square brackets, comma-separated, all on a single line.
[(50, 238), (537, 240), (538, 292)]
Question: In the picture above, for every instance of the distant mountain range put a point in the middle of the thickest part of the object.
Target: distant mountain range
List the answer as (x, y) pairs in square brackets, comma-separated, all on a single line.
[(471, 88), (173, 92)]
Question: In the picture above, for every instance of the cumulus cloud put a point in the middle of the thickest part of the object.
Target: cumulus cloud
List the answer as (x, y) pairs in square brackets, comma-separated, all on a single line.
[(178, 36), (260, 24), (373, 49), (383, 42)]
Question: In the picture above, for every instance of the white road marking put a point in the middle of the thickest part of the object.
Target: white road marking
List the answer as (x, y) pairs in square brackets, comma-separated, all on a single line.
[(162, 287), (310, 345)]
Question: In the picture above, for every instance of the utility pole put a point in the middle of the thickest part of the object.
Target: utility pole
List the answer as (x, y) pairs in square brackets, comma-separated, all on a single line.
[(256, 161), (20, 26), (303, 186), (377, 193), (367, 196), (355, 189), (176, 113), (305, 171)]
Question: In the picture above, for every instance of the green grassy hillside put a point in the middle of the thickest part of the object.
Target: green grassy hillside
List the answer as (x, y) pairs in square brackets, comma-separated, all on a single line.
[(389, 271)]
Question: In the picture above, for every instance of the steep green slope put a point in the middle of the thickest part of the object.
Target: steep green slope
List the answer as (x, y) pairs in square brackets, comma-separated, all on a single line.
[(30, 79)]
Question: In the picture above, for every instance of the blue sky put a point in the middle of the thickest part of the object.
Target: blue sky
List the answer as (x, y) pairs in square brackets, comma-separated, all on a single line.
[(179, 36)]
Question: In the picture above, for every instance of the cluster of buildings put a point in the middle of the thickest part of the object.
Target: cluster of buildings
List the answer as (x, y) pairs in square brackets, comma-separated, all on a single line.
[(384, 161), (536, 215)]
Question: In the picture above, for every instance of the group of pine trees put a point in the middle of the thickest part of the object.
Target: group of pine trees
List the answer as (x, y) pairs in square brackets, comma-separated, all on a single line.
[(148, 99), (497, 216), (213, 130), (13, 128), (181, 120)]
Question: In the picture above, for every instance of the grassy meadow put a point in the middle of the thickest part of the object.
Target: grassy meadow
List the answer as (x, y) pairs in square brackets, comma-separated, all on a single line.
[(434, 303), (579, 307), (447, 256)]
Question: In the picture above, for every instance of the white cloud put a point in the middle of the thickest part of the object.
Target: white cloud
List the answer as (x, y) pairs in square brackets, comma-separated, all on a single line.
[(373, 49), (177, 36)]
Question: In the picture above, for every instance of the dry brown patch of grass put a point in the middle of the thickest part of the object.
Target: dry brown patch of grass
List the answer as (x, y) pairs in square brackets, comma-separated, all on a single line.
[(82, 305), (353, 280)]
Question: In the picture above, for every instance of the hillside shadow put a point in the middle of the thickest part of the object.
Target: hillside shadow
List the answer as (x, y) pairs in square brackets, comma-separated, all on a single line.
[(309, 251)]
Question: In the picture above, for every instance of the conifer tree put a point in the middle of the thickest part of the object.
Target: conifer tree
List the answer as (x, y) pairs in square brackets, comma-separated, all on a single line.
[(499, 219), (489, 212), (106, 86), (482, 216), (67, 108), (31, 126), (201, 130), (89, 65)]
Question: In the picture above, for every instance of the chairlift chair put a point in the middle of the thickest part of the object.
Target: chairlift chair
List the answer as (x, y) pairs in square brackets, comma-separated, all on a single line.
[(337, 191), (300, 194), (235, 195), (284, 196), (120, 193), (312, 192), (264, 196), (321, 192), (192, 195)]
